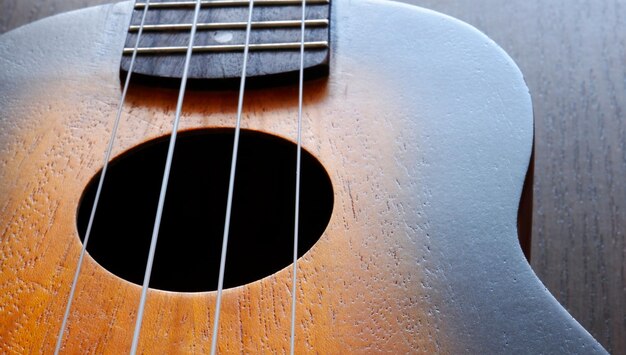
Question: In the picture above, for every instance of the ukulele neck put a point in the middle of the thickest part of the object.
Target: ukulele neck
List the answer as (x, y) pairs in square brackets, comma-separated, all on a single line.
[(274, 48)]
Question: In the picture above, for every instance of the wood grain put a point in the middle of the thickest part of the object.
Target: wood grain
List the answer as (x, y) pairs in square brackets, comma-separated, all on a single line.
[(571, 53), (421, 252), (15, 13), (76, 107), (391, 271), (572, 56)]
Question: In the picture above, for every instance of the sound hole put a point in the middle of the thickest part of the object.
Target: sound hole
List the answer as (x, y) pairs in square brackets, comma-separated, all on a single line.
[(190, 238)]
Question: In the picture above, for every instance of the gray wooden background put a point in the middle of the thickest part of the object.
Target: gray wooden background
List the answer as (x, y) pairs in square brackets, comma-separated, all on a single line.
[(573, 56)]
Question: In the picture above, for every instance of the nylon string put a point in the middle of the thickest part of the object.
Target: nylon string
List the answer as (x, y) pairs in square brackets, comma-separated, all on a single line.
[(231, 183), (166, 174), (297, 202), (105, 165)]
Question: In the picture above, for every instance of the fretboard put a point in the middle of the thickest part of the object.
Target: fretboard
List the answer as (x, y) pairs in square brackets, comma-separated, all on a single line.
[(274, 50)]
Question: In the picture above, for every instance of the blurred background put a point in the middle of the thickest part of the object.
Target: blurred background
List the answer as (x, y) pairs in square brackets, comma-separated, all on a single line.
[(573, 56)]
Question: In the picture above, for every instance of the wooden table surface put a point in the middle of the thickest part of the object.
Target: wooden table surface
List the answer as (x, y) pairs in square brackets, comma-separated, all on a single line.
[(573, 56)]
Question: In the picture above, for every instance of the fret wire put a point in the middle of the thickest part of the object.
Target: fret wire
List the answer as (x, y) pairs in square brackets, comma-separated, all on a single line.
[(225, 3), (229, 47), (231, 25)]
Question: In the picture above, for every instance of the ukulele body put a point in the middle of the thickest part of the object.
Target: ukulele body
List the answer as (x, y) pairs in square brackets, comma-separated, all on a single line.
[(425, 128)]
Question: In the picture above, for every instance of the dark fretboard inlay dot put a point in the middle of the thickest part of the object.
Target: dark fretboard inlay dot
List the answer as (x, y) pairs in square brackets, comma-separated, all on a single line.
[(190, 238)]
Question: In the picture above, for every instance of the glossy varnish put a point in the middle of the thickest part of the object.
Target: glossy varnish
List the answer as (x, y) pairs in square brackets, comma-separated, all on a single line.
[(421, 252)]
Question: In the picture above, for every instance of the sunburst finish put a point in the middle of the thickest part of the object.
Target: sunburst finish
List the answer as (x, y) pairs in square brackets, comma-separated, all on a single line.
[(425, 128)]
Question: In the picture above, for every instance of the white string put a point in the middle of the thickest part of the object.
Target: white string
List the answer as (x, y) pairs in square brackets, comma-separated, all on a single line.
[(166, 175), (105, 165), (231, 184), (297, 207)]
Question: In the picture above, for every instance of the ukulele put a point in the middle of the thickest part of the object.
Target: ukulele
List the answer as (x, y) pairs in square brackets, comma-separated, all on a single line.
[(227, 176)]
